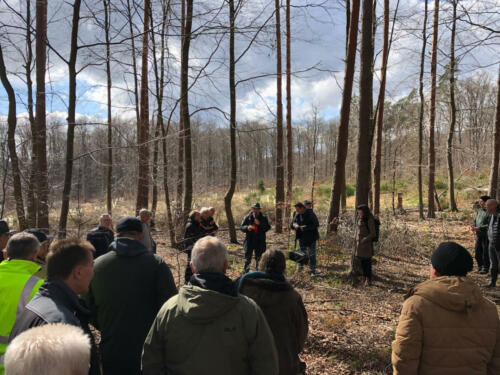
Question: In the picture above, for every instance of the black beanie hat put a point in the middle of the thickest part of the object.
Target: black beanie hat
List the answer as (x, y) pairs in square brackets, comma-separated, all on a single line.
[(451, 259)]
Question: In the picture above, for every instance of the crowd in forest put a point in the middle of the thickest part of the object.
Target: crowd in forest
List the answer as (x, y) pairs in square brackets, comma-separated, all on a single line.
[(110, 304)]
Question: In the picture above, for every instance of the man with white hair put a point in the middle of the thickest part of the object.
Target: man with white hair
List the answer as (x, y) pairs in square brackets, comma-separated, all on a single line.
[(51, 349), (208, 328), (145, 217)]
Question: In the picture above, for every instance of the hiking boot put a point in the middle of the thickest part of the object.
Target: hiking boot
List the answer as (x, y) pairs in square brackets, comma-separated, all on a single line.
[(482, 271), (313, 274), (491, 284)]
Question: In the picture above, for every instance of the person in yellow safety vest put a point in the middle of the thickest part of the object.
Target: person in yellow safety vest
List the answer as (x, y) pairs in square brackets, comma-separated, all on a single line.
[(18, 283)]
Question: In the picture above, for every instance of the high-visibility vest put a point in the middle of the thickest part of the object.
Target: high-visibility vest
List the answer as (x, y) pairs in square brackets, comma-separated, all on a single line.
[(18, 285)]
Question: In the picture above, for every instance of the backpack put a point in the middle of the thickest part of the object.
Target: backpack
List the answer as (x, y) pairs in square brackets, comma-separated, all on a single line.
[(377, 228)]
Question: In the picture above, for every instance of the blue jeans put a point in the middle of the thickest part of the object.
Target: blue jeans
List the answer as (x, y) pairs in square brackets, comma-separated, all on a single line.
[(309, 249)]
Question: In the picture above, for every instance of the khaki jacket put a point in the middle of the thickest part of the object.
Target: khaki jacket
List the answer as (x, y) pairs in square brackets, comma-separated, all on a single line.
[(447, 327), (365, 233)]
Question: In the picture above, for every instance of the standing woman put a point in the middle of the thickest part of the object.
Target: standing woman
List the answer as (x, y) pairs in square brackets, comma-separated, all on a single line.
[(193, 233), (365, 234)]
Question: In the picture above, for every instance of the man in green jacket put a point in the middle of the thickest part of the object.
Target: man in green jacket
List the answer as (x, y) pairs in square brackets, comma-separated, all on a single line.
[(480, 227), (18, 283), (208, 328)]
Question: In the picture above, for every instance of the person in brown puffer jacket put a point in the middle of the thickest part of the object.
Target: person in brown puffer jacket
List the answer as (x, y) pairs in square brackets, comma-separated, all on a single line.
[(283, 308), (446, 325)]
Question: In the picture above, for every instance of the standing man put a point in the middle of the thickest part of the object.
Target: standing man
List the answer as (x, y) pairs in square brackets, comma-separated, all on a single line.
[(4, 237), (493, 239), (480, 227), (208, 328), (69, 270), (305, 223), (148, 241), (254, 225), (102, 236), (18, 283), (130, 285), (42, 252)]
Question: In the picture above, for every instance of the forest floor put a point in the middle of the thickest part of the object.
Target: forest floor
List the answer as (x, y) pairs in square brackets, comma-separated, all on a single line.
[(351, 327)]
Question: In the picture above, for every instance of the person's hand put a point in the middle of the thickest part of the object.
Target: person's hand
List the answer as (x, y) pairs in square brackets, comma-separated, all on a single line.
[(250, 227), (296, 226), (256, 222)]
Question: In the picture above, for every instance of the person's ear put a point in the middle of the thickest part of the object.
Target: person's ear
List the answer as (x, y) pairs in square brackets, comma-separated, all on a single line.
[(192, 268), (226, 265), (434, 273)]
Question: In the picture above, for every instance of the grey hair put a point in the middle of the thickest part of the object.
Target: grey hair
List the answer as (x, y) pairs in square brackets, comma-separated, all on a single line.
[(49, 349), (104, 216), (145, 212), (22, 245), (204, 210), (209, 255)]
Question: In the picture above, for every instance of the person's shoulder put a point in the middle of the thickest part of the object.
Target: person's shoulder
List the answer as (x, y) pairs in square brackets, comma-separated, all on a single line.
[(50, 310)]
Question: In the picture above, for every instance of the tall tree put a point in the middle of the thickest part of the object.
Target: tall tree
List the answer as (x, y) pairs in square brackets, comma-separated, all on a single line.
[(421, 116), (42, 180), (380, 114), (186, 121), (109, 168), (280, 170), (143, 180), (232, 127), (496, 146), (345, 111), (453, 110), (130, 17), (289, 134), (432, 115), (68, 170), (11, 133), (363, 169)]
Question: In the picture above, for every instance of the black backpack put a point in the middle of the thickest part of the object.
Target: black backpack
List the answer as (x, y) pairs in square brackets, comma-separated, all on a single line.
[(377, 228)]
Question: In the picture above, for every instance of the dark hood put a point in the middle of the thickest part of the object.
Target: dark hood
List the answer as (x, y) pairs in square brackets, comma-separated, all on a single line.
[(128, 247)]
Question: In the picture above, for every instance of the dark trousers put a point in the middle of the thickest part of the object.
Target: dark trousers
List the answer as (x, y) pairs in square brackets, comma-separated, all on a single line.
[(366, 266), (248, 257), (482, 252), (188, 272), (494, 256), (310, 250)]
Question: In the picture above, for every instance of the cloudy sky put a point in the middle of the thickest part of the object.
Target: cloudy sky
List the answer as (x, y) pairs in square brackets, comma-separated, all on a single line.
[(318, 48)]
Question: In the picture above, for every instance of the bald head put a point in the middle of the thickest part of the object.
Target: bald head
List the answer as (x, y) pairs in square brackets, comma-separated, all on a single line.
[(491, 206), (209, 255)]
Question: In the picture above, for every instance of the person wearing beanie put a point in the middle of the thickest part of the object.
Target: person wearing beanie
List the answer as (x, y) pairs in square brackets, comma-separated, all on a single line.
[(446, 326), (480, 228)]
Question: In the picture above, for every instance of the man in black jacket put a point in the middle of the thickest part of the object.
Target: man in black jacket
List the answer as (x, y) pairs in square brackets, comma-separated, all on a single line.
[(130, 286), (493, 239), (306, 224), (101, 236), (254, 225), (69, 271)]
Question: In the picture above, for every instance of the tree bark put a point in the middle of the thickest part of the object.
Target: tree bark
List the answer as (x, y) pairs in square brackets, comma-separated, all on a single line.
[(453, 111), (11, 134), (432, 116), (380, 114), (496, 146), (109, 169), (143, 180), (280, 170), (68, 173), (363, 170), (134, 67), (289, 134), (42, 182), (421, 117), (343, 132), (232, 128)]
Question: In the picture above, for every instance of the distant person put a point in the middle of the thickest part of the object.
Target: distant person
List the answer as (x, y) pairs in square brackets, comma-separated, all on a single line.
[(55, 349), (446, 326), (365, 234), (130, 285), (18, 283), (145, 216), (309, 204), (41, 255), (208, 328), (493, 239), (101, 236), (282, 307), (207, 222), (480, 228), (4, 237), (192, 233), (305, 223), (69, 270), (254, 225)]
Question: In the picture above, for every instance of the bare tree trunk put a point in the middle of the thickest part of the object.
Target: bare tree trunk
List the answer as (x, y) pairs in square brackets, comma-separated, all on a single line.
[(280, 170), (109, 169), (343, 132), (42, 182), (11, 133), (453, 112), (421, 117), (68, 173), (232, 127), (289, 134), (380, 114), (315, 141), (134, 67), (432, 115), (186, 121), (496, 146), (143, 180), (363, 170)]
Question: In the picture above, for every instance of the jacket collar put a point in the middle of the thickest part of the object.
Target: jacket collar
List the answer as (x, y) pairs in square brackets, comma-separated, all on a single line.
[(20, 265), (272, 281), (61, 293), (216, 282)]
